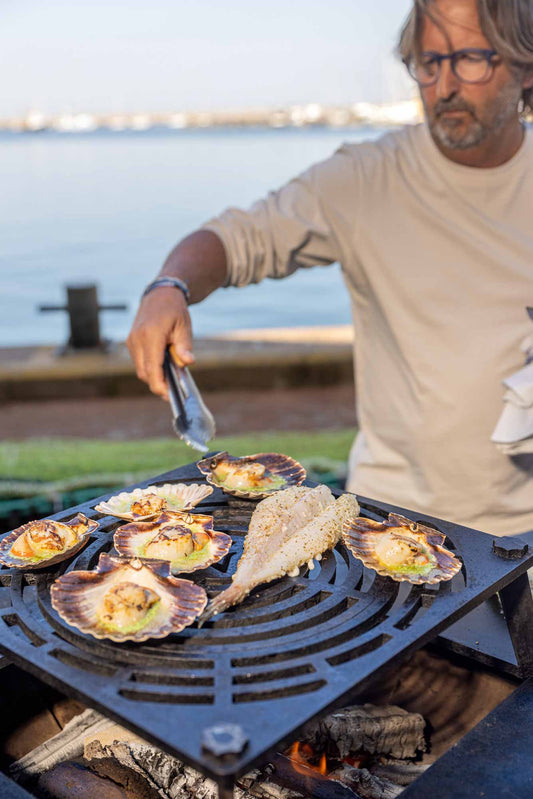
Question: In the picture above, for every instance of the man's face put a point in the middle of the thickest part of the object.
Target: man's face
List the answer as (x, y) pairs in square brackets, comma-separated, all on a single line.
[(464, 116)]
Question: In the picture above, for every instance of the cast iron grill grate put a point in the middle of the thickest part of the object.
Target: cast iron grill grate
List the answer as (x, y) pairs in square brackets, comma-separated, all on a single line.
[(293, 649)]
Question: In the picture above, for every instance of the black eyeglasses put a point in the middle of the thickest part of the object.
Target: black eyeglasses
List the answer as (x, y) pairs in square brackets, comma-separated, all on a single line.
[(471, 65)]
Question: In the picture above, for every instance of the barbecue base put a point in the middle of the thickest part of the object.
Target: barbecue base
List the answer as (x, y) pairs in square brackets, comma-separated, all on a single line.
[(452, 696), (293, 650)]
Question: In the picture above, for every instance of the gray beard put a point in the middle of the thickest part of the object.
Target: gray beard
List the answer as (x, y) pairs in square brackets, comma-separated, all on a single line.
[(474, 135), (477, 131)]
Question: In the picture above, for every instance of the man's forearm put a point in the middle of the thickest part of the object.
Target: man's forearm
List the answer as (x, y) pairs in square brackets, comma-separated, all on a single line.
[(199, 260)]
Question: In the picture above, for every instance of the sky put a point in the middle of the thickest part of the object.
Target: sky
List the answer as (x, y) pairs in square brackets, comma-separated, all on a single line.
[(164, 55)]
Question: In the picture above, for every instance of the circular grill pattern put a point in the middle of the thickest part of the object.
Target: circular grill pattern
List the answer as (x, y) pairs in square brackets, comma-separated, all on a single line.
[(283, 640)]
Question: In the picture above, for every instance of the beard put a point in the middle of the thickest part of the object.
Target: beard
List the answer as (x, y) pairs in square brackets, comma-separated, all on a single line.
[(477, 124)]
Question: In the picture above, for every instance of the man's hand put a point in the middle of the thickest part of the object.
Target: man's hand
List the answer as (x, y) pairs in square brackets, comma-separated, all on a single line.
[(162, 319)]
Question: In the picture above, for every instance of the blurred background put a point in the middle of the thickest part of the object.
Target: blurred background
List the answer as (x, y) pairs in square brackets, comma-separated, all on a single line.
[(102, 174), (125, 125)]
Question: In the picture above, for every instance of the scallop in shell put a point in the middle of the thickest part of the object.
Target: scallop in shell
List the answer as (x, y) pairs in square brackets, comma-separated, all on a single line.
[(253, 476), (127, 600), (145, 503), (401, 549), (188, 542), (45, 542)]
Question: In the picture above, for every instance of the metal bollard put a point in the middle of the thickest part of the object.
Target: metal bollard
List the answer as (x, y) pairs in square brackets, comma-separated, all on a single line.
[(83, 310)]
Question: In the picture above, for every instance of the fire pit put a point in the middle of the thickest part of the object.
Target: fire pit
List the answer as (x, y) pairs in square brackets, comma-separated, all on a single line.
[(221, 698)]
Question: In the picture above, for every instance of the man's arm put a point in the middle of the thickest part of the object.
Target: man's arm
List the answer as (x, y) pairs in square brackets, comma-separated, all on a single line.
[(294, 227), (163, 317)]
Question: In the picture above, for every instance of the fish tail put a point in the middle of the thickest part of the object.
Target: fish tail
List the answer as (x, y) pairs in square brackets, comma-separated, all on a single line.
[(231, 596)]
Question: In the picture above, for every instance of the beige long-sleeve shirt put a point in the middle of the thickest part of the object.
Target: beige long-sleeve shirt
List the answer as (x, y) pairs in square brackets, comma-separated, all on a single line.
[(438, 260)]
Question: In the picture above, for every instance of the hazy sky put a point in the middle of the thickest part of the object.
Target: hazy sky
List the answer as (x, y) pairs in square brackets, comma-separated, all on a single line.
[(127, 55)]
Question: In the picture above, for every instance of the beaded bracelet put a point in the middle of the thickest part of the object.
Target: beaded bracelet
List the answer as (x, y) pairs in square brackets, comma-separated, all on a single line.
[(166, 280)]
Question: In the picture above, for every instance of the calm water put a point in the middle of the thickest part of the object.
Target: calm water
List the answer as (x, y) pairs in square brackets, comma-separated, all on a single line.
[(107, 208)]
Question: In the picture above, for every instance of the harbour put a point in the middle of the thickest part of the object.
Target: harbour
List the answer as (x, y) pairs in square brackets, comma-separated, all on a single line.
[(107, 207)]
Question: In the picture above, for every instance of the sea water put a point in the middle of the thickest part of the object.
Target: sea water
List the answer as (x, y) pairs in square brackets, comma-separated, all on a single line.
[(107, 207)]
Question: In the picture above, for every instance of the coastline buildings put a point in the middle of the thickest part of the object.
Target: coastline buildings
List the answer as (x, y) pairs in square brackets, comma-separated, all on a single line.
[(311, 114)]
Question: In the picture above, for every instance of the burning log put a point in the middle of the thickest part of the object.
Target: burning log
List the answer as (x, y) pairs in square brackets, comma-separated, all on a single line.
[(173, 779), (308, 780), (170, 777), (114, 753), (257, 786), (369, 728), (398, 771), (365, 784)]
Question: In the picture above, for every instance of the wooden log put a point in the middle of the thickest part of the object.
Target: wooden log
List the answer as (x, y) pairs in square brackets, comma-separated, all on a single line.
[(310, 782), (113, 752), (369, 728), (398, 771), (173, 779), (72, 781), (365, 784), (257, 784), (168, 776), (66, 745)]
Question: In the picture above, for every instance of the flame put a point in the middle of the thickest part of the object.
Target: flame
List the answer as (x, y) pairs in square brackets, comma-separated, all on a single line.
[(300, 754), (357, 761), (323, 766)]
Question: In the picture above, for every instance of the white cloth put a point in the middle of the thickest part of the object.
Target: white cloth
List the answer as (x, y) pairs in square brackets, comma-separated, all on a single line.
[(513, 435), (438, 260)]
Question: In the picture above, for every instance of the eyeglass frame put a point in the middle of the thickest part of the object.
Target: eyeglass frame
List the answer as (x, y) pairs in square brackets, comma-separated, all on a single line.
[(452, 58)]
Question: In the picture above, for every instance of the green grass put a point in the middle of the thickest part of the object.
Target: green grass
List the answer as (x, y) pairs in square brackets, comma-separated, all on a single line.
[(61, 459)]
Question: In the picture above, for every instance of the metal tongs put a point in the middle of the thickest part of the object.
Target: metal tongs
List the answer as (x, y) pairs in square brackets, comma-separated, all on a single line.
[(192, 420)]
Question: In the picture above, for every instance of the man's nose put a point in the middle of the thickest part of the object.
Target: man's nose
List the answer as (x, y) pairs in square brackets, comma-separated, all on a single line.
[(448, 82)]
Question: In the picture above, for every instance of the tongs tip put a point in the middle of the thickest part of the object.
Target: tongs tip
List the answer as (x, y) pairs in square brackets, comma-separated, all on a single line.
[(193, 422), (201, 447)]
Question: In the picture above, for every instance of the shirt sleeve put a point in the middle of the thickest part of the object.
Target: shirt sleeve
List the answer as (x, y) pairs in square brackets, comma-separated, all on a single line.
[(290, 228)]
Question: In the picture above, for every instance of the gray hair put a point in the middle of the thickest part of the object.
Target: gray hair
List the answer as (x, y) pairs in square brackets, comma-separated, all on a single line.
[(507, 25)]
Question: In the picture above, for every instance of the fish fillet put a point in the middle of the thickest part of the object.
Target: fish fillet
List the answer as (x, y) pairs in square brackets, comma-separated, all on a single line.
[(286, 530)]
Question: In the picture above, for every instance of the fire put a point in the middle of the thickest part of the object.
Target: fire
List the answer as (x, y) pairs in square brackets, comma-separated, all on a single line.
[(357, 761), (302, 754)]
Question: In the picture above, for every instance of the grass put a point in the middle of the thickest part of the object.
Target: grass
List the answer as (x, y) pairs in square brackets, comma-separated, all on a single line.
[(61, 459)]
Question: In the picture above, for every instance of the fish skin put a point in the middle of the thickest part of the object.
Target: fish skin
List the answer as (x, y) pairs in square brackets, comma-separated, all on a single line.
[(286, 530)]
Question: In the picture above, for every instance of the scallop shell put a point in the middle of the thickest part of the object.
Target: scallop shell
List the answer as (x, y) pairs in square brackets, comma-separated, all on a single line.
[(79, 596), (177, 496), (75, 533), (365, 537), (132, 539), (285, 472)]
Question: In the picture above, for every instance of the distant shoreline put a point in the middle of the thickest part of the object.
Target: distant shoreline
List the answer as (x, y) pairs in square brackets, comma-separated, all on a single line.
[(194, 129), (296, 116)]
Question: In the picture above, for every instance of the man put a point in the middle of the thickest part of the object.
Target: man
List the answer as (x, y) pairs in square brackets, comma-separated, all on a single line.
[(432, 227)]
